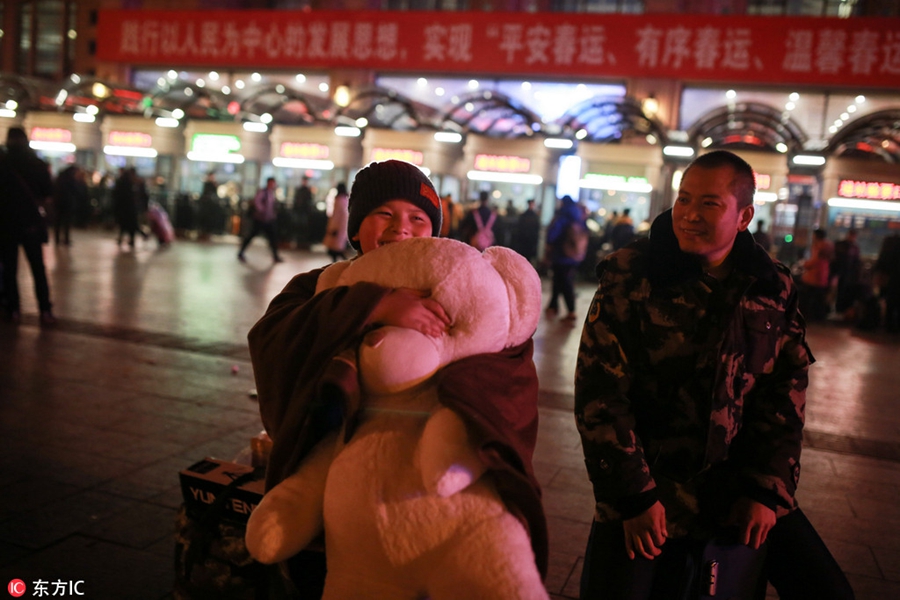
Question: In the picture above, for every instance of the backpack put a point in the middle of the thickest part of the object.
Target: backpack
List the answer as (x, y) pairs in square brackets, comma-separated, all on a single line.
[(483, 238), (575, 241)]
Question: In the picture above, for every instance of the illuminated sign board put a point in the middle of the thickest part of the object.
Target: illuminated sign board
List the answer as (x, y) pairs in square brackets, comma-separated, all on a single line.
[(215, 143), (869, 190), (502, 164), (763, 182), (795, 51), (129, 139), (599, 181), (410, 156), (50, 134), (304, 151)]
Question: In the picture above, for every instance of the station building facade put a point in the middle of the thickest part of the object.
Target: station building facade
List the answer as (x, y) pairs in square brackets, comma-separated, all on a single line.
[(605, 101)]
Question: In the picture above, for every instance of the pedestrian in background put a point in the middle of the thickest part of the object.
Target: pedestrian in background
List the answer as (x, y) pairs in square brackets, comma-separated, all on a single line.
[(264, 212), (566, 244), (336, 234), (302, 209), (846, 269), (761, 237), (527, 233), (477, 227), (623, 230), (690, 394), (449, 216), (69, 192), (130, 200), (816, 278), (887, 271), (27, 188)]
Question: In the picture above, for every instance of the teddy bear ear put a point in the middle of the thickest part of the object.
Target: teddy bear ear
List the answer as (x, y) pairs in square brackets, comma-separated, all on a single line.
[(523, 286), (330, 276)]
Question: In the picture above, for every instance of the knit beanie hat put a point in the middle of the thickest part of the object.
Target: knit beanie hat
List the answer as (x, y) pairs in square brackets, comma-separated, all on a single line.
[(380, 182)]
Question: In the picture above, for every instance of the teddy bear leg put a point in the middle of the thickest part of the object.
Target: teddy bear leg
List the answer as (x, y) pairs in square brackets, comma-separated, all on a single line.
[(448, 462), (289, 516), (492, 560)]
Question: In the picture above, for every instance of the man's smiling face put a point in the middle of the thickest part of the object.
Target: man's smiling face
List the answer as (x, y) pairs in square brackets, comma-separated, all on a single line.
[(706, 217)]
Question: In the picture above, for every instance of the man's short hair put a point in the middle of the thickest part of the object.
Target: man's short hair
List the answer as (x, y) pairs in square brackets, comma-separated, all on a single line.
[(743, 186)]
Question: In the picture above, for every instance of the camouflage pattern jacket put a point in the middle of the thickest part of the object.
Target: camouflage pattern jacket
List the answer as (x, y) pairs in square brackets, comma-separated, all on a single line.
[(688, 390)]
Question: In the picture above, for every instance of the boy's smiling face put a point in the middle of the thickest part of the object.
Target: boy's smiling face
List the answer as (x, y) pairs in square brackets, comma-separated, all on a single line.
[(393, 221)]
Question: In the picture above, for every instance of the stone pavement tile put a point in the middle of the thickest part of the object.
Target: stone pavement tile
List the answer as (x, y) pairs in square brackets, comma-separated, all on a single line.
[(559, 574), (11, 552), (71, 465), (232, 446), (171, 497), (544, 471), (812, 494), (131, 448), (195, 411), (889, 562), (573, 585), (47, 524), (32, 492), (166, 545), (853, 530), (567, 542), (886, 511), (109, 571), (575, 505), (146, 482), (857, 558), (863, 468), (138, 527), (558, 439), (567, 478), (871, 588), (165, 428)]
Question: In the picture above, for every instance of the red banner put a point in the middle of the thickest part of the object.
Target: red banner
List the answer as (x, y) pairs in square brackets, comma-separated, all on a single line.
[(857, 52)]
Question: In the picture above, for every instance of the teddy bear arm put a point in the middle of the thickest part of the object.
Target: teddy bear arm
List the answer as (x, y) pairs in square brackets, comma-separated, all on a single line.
[(289, 516), (448, 460)]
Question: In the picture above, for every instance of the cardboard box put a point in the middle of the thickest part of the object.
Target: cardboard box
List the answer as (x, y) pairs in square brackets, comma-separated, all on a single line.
[(205, 481)]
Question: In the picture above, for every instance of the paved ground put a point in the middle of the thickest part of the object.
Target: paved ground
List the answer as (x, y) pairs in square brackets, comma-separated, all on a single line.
[(137, 381)]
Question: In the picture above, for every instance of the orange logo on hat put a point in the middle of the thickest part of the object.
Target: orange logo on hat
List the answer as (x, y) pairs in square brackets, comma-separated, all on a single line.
[(427, 191)]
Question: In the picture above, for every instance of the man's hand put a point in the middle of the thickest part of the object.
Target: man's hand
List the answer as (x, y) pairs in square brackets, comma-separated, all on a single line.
[(413, 309), (754, 520), (645, 533)]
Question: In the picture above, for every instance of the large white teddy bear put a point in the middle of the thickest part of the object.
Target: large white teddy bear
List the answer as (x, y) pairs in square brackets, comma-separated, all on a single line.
[(406, 510)]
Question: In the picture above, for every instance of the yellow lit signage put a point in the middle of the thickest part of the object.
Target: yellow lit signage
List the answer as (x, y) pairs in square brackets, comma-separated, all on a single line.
[(129, 139), (304, 151), (410, 156), (50, 134), (502, 164), (763, 182)]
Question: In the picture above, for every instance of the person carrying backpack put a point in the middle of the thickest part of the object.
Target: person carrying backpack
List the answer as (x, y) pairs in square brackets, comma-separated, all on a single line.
[(477, 228), (567, 241)]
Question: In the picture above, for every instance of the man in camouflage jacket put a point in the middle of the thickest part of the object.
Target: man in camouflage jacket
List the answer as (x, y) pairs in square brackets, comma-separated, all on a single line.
[(691, 375)]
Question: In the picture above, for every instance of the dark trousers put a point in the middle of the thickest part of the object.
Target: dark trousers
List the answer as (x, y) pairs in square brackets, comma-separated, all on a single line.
[(563, 284), (892, 307), (798, 565), (267, 229), (9, 256), (61, 228), (814, 302)]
